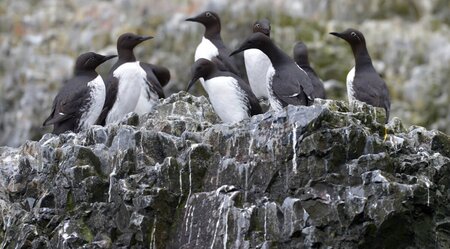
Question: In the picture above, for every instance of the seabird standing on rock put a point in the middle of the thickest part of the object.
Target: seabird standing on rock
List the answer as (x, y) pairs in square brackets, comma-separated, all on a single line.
[(80, 101), (363, 82), (231, 97), (131, 87), (301, 58), (212, 45), (257, 63), (287, 82)]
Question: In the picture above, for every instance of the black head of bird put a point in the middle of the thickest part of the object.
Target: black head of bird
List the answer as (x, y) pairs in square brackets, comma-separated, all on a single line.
[(255, 40), (90, 61), (210, 20), (130, 40), (262, 26), (201, 68), (301, 53), (352, 36)]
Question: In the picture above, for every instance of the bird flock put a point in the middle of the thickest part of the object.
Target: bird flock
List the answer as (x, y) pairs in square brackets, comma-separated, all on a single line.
[(134, 86)]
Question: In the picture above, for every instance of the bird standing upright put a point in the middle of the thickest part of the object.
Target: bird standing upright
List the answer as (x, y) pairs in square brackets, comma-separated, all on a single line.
[(301, 58), (79, 102), (363, 82), (229, 95), (212, 45), (130, 87), (257, 63), (287, 82)]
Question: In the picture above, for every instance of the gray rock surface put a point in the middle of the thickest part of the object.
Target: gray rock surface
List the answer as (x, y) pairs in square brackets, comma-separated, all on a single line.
[(39, 40), (304, 177)]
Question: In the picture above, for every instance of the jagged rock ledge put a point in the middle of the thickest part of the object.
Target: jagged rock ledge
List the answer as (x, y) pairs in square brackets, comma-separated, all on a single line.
[(304, 177)]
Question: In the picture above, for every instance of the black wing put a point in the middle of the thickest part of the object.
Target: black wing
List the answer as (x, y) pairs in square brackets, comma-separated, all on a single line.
[(370, 88), (319, 89), (161, 73), (293, 88), (112, 86), (67, 103), (152, 80), (46, 122)]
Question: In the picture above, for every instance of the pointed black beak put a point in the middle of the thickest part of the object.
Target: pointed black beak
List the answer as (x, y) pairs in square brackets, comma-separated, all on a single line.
[(191, 19), (108, 57), (336, 34), (192, 83), (144, 38), (194, 18)]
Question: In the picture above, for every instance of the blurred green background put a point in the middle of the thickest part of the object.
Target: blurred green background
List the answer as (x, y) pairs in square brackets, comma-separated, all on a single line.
[(409, 42)]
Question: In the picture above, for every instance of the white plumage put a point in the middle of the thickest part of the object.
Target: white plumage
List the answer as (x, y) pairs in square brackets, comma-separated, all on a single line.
[(227, 98), (146, 102), (93, 108), (350, 90), (131, 79), (257, 63), (206, 50)]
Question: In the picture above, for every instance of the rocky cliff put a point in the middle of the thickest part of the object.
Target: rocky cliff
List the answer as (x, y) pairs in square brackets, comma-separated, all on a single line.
[(409, 42), (304, 177)]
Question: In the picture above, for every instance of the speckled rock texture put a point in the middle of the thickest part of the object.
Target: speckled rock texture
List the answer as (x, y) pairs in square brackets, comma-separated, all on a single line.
[(303, 177)]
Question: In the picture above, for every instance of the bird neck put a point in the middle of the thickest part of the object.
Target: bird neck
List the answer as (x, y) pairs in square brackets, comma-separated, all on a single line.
[(213, 32), (84, 72), (362, 56), (275, 54), (126, 55), (212, 74)]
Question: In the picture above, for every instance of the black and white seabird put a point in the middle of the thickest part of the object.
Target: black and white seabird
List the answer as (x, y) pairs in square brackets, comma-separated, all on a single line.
[(257, 63), (302, 60), (131, 85), (79, 102), (363, 82), (231, 97), (287, 82), (212, 45)]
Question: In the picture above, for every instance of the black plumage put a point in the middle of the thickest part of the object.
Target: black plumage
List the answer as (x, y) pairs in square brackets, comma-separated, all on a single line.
[(75, 96), (367, 85), (211, 22), (290, 84), (301, 58)]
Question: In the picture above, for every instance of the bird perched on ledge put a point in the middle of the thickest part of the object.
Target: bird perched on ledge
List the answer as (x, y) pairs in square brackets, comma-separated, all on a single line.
[(257, 63), (80, 101), (287, 82), (212, 45), (131, 85), (301, 58), (363, 82), (229, 95)]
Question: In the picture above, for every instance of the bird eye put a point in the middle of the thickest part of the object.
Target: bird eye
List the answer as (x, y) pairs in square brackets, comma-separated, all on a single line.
[(353, 34), (257, 25), (208, 14)]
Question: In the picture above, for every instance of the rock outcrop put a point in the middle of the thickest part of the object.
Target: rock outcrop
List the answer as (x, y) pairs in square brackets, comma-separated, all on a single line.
[(409, 42), (304, 177)]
